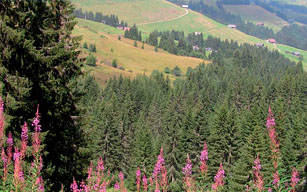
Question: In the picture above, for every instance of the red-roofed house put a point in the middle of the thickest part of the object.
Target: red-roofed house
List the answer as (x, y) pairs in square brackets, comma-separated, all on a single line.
[(126, 28), (271, 41)]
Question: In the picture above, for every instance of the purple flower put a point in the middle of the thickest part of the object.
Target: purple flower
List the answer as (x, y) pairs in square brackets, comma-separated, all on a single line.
[(294, 178), (121, 176), (138, 173), (35, 123), (16, 155), (10, 139), (116, 186), (270, 119), (24, 132), (187, 170), (159, 164)]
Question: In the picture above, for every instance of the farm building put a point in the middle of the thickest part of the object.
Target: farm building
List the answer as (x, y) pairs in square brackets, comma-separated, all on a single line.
[(185, 6), (296, 54), (232, 26), (271, 41), (260, 24), (126, 28), (195, 48), (120, 28), (259, 44), (197, 33)]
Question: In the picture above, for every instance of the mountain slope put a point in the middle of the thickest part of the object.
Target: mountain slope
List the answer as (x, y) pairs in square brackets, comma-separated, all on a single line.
[(139, 12), (134, 60)]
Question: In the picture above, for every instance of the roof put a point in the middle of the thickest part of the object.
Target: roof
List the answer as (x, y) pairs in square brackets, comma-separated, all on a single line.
[(185, 6), (271, 40), (232, 26)]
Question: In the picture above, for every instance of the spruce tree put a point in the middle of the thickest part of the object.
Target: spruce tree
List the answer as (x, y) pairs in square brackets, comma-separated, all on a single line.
[(38, 66)]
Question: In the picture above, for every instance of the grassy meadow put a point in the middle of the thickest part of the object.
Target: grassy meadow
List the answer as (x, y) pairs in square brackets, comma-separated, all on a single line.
[(134, 11), (134, 60), (254, 13)]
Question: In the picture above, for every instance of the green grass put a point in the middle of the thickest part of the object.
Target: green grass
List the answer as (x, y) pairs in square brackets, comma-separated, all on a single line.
[(256, 14), (132, 11), (284, 48), (190, 23), (134, 59)]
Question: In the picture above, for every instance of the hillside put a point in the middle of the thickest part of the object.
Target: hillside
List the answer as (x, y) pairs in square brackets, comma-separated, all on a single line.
[(176, 19), (133, 59), (132, 11), (255, 14)]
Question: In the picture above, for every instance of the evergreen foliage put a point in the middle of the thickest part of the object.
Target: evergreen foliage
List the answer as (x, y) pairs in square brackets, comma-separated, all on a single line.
[(91, 60), (39, 63)]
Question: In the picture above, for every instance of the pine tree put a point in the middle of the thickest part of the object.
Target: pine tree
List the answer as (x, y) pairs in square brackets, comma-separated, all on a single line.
[(40, 63)]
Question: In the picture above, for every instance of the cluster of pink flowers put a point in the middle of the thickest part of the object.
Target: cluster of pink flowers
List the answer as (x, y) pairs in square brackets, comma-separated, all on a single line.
[(258, 180), (161, 180), (218, 178), (274, 146), (96, 179), (204, 159), (19, 181), (138, 179), (294, 179), (187, 171)]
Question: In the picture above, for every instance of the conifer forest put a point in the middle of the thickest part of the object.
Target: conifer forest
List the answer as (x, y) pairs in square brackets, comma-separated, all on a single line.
[(236, 124)]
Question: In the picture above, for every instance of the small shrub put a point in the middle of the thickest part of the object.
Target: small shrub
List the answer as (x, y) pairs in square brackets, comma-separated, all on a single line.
[(167, 70), (114, 63), (91, 60), (135, 44), (92, 48), (85, 45), (177, 71)]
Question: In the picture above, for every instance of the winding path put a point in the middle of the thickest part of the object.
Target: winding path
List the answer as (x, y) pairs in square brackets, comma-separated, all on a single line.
[(151, 22)]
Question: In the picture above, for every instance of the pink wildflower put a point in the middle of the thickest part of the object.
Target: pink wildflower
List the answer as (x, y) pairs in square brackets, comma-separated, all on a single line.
[(1, 123), (204, 159), (270, 119), (5, 165), (100, 166), (10, 140), (89, 171), (35, 123), (138, 179), (159, 164), (276, 179), (18, 174), (10, 148), (24, 140), (258, 178), (218, 179), (294, 179), (74, 186), (144, 180), (116, 186), (187, 170)]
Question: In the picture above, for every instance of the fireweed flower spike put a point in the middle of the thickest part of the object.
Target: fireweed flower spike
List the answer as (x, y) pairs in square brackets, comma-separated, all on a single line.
[(9, 148), (37, 129), (187, 171), (258, 181), (144, 180), (116, 186), (274, 145), (294, 179), (1, 123), (204, 159), (138, 179), (218, 179), (24, 140)]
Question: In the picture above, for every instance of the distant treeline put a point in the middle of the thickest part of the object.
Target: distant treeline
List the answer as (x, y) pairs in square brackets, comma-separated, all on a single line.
[(111, 20), (293, 35), (193, 45)]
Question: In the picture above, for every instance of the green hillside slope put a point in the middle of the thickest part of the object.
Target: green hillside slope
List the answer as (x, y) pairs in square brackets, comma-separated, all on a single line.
[(134, 60), (139, 12)]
